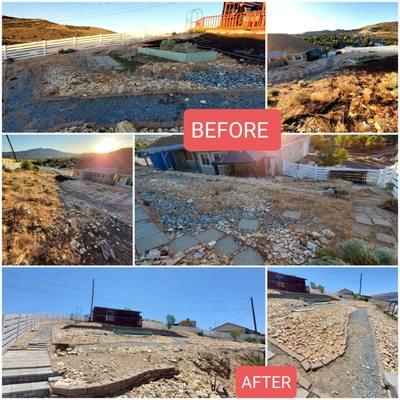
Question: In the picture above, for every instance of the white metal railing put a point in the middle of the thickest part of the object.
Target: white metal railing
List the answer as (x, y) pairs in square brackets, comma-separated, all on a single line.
[(16, 325), (378, 177), (44, 47)]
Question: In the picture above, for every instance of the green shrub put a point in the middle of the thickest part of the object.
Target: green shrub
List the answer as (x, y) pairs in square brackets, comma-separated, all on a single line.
[(167, 44), (27, 165), (185, 47), (384, 256), (251, 339), (324, 252), (355, 251), (328, 261), (66, 51)]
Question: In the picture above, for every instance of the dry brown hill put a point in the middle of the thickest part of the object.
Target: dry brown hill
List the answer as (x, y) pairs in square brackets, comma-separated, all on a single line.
[(25, 30)]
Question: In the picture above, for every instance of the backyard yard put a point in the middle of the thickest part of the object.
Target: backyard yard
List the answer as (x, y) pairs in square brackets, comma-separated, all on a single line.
[(120, 89), (197, 219)]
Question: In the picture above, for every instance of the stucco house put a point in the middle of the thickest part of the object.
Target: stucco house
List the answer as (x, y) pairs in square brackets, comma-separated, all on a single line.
[(284, 48), (168, 153)]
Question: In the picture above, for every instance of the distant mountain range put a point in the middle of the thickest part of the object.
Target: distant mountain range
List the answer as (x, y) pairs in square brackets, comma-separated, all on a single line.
[(384, 296), (39, 153), (25, 30), (383, 30)]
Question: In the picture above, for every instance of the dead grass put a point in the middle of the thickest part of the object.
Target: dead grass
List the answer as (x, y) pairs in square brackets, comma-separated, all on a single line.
[(31, 210), (348, 101)]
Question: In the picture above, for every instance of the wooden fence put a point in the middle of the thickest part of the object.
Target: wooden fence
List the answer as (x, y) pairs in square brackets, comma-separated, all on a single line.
[(251, 20), (377, 177), (16, 325), (44, 47)]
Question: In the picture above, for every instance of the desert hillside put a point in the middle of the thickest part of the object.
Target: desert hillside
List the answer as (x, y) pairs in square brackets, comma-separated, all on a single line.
[(25, 30), (383, 30)]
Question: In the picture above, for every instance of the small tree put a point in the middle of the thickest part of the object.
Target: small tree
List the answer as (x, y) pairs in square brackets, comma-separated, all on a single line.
[(170, 320), (235, 333), (331, 154)]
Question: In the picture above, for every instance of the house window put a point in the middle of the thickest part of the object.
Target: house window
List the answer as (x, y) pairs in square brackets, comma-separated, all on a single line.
[(188, 156), (205, 159), (217, 155)]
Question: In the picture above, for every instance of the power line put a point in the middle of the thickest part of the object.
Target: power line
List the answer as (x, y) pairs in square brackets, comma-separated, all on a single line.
[(39, 291), (121, 11)]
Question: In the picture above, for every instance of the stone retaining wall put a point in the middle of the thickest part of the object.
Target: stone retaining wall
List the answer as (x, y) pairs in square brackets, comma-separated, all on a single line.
[(110, 388)]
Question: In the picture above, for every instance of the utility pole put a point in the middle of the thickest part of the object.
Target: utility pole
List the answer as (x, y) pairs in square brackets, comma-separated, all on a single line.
[(91, 304), (12, 148), (254, 315), (360, 284)]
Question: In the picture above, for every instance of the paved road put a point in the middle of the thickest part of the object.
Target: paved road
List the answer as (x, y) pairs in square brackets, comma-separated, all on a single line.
[(23, 113)]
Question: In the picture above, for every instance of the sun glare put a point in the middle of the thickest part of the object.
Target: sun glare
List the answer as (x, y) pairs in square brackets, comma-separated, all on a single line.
[(106, 145)]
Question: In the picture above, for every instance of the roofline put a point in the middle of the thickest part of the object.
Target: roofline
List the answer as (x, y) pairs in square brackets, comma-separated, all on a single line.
[(240, 326), (159, 149)]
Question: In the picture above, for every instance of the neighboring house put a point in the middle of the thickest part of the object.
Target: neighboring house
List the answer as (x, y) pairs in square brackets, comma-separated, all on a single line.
[(291, 49), (117, 317), (287, 283), (97, 174), (187, 322), (168, 153), (229, 327), (346, 294)]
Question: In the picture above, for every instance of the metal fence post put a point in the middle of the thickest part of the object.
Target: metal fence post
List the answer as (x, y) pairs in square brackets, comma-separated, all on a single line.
[(101, 40), (18, 327), (75, 43), (44, 47)]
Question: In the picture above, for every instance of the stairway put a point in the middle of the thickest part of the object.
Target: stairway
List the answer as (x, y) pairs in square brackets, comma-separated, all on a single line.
[(26, 372)]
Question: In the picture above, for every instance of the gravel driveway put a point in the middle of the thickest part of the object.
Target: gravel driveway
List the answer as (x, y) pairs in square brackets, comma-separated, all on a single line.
[(22, 112)]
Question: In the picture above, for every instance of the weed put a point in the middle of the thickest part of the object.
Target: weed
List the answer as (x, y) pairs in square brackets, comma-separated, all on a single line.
[(66, 51), (384, 256), (328, 261), (300, 98), (356, 252)]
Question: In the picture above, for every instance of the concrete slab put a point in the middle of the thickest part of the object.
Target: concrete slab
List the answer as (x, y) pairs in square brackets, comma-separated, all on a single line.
[(248, 256), (34, 389), (392, 382), (302, 393), (292, 214), (183, 243), (377, 220), (382, 237), (151, 242), (141, 215), (144, 229), (107, 63), (362, 230), (227, 246), (210, 235), (270, 355), (248, 224), (363, 219)]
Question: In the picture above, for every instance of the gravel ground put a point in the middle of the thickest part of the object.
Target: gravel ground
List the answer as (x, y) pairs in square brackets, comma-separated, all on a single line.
[(23, 113)]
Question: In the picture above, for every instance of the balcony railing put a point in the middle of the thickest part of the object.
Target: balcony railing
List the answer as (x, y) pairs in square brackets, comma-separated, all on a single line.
[(251, 20)]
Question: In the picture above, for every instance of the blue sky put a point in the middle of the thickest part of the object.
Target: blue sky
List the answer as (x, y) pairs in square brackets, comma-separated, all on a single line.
[(69, 143), (135, 17), (211, 296), (285, 16), (374, 280)]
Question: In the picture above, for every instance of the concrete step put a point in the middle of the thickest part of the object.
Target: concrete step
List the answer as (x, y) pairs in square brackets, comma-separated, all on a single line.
[(32, 389), (26, 375)]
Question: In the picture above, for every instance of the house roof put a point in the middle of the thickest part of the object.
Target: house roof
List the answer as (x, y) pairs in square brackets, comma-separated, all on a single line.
[(240, 157), (285, 275), (232, 324), (345, 291), (101, 170), (276, 54), (97, 308), (289, 44), (172, 142)]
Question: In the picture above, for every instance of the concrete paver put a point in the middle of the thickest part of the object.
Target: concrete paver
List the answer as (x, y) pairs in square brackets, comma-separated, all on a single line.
[(292, 214), (248, 224), (377, 220), (210, 235), (382, 237), (183, 243), (363, 219), (248, 256), (151, 242), (227, 246)]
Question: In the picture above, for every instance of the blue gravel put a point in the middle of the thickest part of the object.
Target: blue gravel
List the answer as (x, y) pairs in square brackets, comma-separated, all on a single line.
[(226, 78), (23, 113)]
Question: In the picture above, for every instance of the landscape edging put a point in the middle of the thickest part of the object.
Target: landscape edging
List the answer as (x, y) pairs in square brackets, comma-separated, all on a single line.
[(107, 388)]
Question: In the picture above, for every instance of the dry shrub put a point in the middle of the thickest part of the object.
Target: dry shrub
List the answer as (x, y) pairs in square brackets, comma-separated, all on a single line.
[(300, 97)]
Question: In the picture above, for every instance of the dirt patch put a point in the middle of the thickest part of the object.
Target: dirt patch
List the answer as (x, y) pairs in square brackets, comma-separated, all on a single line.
[(73, 222)]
